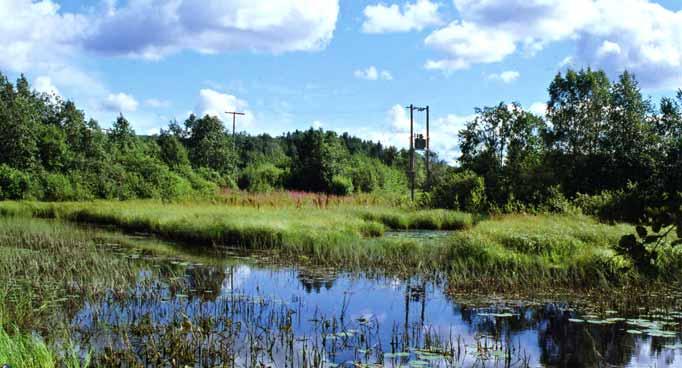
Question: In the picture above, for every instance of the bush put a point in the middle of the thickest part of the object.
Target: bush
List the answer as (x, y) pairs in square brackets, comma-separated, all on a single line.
[(57, 188), (223, 181), (459, 191), (261, 178), (621, 205), (14, 184), (341, 185), (555, 201)]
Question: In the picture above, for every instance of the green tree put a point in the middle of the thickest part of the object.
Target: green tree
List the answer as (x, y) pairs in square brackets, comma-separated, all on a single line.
[(172, 152), (208, 144)]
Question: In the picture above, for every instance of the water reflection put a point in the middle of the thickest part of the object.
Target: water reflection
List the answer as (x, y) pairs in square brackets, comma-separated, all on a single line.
[(247, 316)]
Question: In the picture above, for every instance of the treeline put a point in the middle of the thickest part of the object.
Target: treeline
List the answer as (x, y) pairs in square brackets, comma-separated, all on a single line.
[(50, 151), (602, 147)]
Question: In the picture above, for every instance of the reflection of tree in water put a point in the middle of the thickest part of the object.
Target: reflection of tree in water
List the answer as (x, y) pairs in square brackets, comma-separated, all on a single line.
[(206, 281), (315, 280), (569, 344)]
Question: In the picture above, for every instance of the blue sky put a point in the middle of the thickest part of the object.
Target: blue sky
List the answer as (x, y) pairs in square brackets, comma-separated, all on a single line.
[(342, 65)]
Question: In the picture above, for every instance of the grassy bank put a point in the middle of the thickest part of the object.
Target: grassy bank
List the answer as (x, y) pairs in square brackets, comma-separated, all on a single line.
[(567, 250), (243, 226)]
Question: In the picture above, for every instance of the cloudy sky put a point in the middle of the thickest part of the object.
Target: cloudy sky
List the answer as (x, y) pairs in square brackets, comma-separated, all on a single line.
[(345, 65)]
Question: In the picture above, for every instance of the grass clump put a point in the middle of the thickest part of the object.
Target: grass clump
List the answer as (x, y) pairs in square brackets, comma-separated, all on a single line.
[(26, 351), (423, 219), (562, 249)]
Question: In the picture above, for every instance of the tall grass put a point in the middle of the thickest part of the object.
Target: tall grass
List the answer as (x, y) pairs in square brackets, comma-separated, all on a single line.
[(244, 226), (500, 252), (26, 351), (527, 250)]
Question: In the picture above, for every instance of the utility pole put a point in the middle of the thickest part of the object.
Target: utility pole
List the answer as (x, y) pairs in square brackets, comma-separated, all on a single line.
[(412, 151), (234, 120), (420, 147), (428, 150), (234, 127)]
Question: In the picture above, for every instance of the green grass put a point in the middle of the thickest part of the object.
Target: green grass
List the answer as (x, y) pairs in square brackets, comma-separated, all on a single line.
[(26, 351), (569, 250), (526, 250), (45, 268), (247, 227)]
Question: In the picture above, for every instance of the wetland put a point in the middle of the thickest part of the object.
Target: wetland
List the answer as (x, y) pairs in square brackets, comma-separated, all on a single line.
[(76, 295)]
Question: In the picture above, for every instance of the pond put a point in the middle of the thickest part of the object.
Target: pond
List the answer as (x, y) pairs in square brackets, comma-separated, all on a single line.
[(419, 234), (244, 313)]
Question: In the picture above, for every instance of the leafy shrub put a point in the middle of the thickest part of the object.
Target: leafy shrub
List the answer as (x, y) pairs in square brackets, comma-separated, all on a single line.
[(460, 191), (14, 184), (341, 185), (261, 178), (223, 181), (622, 205), (57, 188), (555, 201)]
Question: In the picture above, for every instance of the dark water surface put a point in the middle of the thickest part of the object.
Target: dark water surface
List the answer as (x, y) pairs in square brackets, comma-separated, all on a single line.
[(240, 313)]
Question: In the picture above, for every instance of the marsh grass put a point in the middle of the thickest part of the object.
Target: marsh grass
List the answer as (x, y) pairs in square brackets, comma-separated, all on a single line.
[(48, 268), (244, 226), (20, 350), (495, 254), (523, 249)]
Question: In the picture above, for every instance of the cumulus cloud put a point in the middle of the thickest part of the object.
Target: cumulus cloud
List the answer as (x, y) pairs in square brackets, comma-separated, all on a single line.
[(215, 103), (638, 35), (120, 102), (32, 34), (37, 37), (467, 44), (382, 18), (317, 124), (44, 84), (505, 77), (153, 29), (372, 73)]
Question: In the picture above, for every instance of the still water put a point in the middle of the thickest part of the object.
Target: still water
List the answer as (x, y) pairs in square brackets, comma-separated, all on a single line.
[(247, 314)]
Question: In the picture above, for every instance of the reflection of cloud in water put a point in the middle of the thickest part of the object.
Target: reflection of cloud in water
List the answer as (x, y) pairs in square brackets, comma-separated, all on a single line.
[(648, 356), (235, 277)]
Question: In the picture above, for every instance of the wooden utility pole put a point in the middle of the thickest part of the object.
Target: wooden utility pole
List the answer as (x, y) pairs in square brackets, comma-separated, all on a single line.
[(412, 151), (421, 147), (234, 120), (428, 150)]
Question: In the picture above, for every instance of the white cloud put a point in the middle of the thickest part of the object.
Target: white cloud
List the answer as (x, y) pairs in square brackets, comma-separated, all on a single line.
[(120, 102), (538, 108), (382, 18), (372, 73), (505, 77), (153, 29), (44, 84), (638, 35), (39, 38), (317, 124), (156, 103), (466, 44), (567, 62), (214, 103), (608, 47), (34, 34)]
